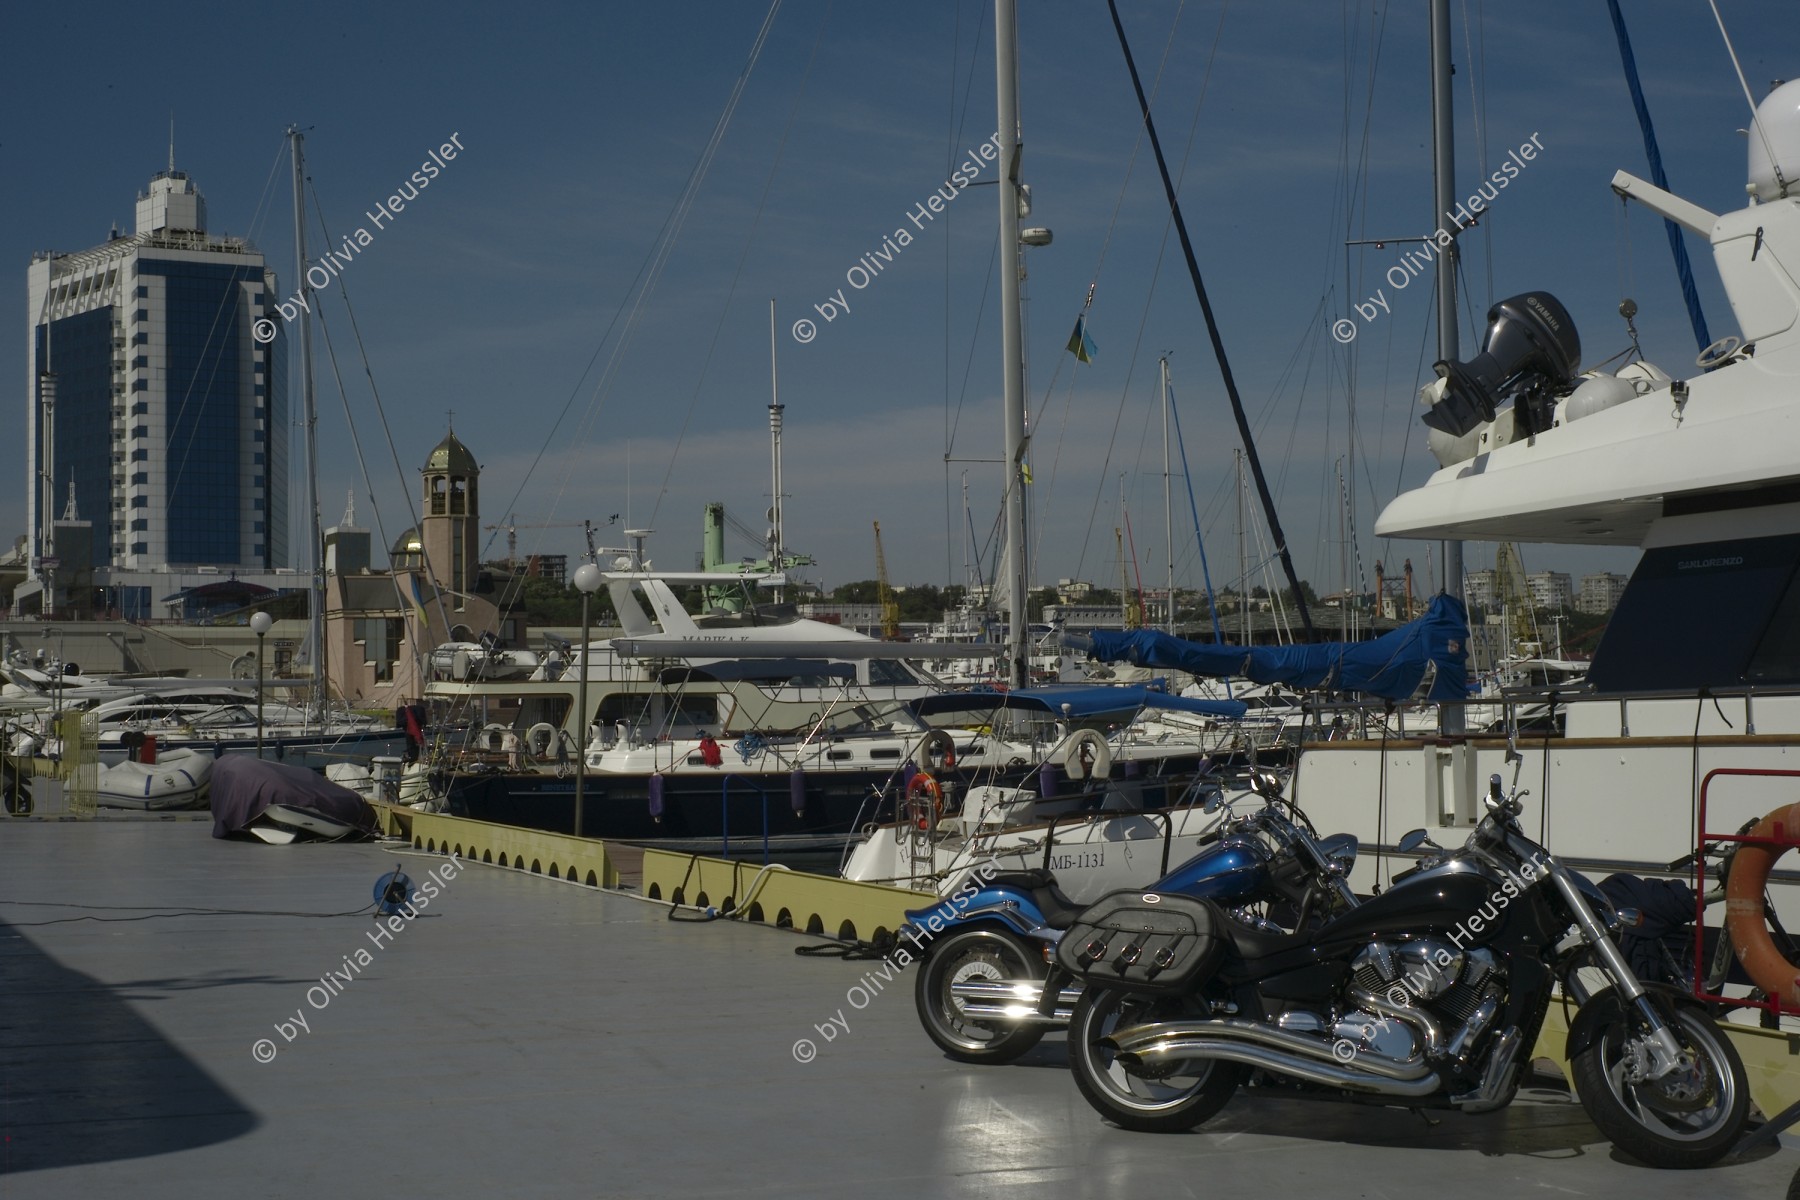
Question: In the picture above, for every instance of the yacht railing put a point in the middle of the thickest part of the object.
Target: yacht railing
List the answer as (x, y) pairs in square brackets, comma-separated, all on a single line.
[(1330, 719)]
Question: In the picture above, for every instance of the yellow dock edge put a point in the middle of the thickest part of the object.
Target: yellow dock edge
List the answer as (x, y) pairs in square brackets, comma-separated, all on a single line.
[(787, 899), (579, 860), (1768, 1054)]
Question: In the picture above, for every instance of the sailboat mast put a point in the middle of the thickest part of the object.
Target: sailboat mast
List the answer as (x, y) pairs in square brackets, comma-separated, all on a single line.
[(1012, 338), (775, 410), (1237, 462), (1443, 171), (315, 630), (1343, 553), (1168, 505)]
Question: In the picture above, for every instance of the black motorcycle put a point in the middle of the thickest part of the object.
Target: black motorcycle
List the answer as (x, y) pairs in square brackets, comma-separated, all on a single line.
[(1429, 995)]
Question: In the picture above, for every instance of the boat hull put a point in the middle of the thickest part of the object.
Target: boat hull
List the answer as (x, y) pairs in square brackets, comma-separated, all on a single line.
[(711, 811)]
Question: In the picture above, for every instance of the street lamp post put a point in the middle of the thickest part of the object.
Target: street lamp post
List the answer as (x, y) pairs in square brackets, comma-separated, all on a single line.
[(587, 581), (260, 623), (57, 691)]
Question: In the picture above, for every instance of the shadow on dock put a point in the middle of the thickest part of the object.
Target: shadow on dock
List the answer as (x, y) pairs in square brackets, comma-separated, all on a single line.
[(86, 1079)]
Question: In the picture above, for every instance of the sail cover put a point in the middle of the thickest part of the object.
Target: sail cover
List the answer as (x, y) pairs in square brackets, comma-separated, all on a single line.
[(1392, 666)]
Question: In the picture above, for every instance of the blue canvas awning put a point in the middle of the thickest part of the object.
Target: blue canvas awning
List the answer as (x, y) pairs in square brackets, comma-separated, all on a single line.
[(1079, 701), (1391, 666)]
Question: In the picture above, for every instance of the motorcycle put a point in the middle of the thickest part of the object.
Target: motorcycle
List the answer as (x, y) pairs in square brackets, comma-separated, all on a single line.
[(1659, 936), (988, 989), (1428, 995)]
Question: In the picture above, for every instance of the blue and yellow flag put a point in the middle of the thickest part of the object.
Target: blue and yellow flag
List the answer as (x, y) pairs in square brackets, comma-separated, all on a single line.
[(418, 599), (1080, 344)]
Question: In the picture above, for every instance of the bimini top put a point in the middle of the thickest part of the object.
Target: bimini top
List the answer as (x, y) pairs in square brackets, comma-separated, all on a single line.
[(1076, 700), (1391, 667)]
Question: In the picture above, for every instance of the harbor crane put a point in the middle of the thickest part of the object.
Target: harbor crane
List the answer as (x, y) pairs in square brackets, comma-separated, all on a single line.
[(512, 524), (890, 608)]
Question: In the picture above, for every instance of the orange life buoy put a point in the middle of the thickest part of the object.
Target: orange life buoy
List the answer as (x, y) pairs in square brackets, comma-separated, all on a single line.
[(923, 793), (1750, 938)]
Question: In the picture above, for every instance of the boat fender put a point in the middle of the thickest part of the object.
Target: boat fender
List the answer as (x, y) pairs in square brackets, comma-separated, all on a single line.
[(924, 801), (1744, 914), (656, 798), (1047, 781), (797, 790)]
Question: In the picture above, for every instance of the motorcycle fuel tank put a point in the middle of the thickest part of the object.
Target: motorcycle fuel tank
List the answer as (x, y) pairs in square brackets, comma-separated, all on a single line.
[(1437, 900), (1233, 866)]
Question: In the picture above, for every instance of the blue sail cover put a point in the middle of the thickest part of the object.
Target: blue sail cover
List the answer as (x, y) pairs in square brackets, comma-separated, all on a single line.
[(1390, 667), (1082, 701)]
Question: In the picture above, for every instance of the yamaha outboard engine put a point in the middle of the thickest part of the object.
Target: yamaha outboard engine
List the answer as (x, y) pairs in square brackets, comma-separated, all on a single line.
[(1531, 345)]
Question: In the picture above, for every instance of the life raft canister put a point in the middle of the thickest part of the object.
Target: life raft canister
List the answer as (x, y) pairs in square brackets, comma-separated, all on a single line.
[(1775, 975)]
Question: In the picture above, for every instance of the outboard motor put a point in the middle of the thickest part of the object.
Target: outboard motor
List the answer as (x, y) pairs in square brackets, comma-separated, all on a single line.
[(1531, 345)]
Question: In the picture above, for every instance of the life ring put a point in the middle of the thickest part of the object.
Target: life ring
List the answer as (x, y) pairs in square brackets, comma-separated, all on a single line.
[(937, 750), (924, 801), (1744, 920), (491, 738), (1086, 755), (540, 739)]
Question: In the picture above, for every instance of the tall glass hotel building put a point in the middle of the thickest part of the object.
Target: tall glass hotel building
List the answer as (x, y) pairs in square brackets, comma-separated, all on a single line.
[(152, 398)]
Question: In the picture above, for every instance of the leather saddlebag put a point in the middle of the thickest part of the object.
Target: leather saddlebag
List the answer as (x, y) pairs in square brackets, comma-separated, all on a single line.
[(1144, 941)]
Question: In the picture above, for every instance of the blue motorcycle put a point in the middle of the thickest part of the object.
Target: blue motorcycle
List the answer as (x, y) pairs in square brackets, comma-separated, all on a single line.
[(989, 988)]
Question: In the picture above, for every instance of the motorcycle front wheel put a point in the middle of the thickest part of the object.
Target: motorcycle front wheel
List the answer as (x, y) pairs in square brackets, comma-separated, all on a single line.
[(1163, 1100), (975, 954), (1689, 1118)]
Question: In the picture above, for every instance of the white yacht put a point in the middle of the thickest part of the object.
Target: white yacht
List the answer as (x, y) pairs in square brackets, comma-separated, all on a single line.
[(1690, 718)]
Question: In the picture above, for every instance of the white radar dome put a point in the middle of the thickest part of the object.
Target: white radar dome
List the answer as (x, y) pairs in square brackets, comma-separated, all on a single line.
[(1779, 118)]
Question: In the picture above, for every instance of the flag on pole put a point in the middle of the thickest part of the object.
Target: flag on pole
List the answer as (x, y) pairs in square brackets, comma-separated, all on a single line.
[(418, 599), (1080, 344)]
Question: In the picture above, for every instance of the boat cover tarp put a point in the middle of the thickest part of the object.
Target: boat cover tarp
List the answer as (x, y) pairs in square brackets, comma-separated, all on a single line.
[(243, 786), (1080, 701), (1391, 666)]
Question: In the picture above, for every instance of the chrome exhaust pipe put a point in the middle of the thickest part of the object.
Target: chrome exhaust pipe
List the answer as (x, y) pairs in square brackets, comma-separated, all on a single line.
[(1418, 1018), (1012, 1000), (1281, 1063), (1175, 1040)]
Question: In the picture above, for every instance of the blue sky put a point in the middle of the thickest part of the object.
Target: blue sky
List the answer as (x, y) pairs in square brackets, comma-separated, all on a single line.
[(492, 293)]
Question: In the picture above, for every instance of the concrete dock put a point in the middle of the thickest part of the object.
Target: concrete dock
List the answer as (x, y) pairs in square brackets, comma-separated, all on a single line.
[(530, 1037)]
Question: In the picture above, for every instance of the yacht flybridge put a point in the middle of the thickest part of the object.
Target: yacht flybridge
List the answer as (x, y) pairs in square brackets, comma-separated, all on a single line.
[(1699, 669)]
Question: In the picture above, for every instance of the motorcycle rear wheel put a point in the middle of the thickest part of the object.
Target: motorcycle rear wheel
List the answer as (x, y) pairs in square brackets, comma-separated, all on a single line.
[(1691, 1118), (978, 954), (1175, 1098)]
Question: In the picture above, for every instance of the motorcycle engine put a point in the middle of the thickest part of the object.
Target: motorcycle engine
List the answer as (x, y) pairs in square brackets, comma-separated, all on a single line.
[(1420, 995)]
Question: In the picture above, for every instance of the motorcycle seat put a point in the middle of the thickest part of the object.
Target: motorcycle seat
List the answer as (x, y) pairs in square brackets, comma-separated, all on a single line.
[(1251, 942), (1059, 911)]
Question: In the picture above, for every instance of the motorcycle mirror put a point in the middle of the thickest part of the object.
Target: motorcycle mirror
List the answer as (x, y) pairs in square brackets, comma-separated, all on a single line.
[(1214, 802), (1266, 784), (1412, 839)]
